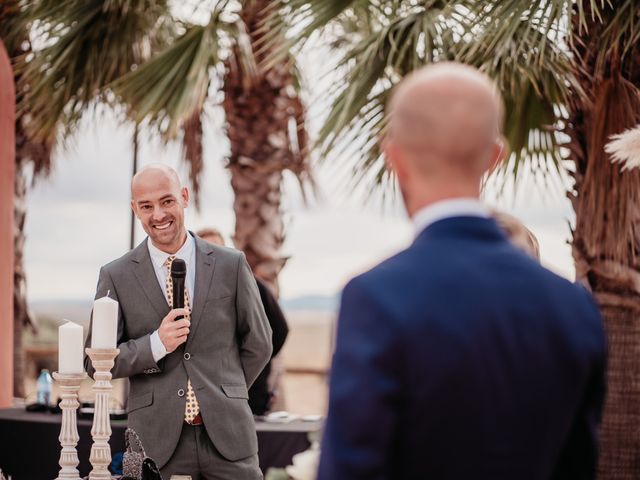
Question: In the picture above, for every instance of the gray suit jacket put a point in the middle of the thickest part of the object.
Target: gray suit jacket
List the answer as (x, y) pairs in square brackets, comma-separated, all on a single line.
[(228, 346)]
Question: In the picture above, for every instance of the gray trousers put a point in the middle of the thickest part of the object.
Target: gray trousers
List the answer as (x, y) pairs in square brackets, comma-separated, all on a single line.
[(196, 456)]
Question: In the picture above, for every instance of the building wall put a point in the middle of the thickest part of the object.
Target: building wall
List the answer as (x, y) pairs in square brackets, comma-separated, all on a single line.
[(7, 171)]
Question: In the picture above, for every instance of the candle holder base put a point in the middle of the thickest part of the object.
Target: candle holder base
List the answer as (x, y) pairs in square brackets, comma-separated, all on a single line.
[(69, 386), (102, 360)]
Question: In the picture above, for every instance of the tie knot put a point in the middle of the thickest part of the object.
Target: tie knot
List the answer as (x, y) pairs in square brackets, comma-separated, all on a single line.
[(168, 262)]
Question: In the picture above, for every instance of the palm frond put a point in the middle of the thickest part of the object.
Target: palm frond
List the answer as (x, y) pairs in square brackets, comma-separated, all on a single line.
[(192, 151), (15, 36), (82, 46), (37, 152), (13, 25), (619, 34), (355, 123), (523, 46), (171, 86), (310, 15), (525, 56), (376, 63), (243, 49)]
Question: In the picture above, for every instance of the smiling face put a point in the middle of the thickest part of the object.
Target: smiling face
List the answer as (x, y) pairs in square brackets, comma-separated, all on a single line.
[(159, 201)]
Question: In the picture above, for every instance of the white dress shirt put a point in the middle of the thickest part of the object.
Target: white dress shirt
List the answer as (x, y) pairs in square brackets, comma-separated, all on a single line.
[(158, 258), (457, 207)]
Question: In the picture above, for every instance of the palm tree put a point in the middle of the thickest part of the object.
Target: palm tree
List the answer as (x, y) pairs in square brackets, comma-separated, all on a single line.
[(266, 128), (30, 154), (264, 117), (570, 73), (54, 86), (89, 49)]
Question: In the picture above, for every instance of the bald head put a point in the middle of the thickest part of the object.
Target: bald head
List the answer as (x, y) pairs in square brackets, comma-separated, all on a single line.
[(158, 200), (446, 116), (154, 173)]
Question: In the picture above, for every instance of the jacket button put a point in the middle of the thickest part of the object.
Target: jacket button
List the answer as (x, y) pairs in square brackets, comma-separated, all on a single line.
[(181, 393), (187, 356)]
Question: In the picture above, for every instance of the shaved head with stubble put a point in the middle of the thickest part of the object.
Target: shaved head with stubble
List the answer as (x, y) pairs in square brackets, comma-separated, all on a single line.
[(158, 200), (444, 133)]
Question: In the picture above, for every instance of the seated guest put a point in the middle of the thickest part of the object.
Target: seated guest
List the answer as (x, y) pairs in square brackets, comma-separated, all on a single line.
[(261, 397)]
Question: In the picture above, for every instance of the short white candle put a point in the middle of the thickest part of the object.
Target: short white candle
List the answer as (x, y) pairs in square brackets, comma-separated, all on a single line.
[(105, 323), (70, 348)]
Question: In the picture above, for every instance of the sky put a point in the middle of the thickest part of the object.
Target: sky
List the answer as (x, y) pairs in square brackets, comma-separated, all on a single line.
[(78, 218)]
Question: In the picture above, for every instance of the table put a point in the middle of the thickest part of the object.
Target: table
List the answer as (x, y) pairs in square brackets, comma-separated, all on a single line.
[(29, 447)]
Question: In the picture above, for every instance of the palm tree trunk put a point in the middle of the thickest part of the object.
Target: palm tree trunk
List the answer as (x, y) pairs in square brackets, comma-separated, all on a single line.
[(20, 311), (35, 154), (261, 113), (606, 240), (29, 153)]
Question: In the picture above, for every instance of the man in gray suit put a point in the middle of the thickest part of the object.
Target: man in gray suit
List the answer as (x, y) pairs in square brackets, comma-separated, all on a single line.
[(189, 376)]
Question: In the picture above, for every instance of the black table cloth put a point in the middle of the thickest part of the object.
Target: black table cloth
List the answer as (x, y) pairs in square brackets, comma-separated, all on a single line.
[(30, 450)]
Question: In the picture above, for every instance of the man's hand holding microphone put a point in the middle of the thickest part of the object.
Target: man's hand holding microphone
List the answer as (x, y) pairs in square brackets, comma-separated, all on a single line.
[(174, 328), (172, 332)]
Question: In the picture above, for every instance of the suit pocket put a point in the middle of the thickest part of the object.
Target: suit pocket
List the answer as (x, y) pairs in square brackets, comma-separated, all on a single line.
[(139, 401), (235, 391), (213, 303), (219, 299)]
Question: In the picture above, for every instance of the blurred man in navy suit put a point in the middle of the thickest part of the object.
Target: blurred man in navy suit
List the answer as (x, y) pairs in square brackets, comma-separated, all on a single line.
[(460, 357)]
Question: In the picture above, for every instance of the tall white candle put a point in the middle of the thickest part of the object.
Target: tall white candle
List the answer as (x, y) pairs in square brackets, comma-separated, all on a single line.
[(105, 323), (70, 348)]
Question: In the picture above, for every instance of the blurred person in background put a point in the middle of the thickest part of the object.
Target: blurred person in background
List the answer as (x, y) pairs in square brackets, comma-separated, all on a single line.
[(265, 390), (517, 233)]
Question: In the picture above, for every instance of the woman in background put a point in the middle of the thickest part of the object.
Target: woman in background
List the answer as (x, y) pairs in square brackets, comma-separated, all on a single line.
[(518, 234)]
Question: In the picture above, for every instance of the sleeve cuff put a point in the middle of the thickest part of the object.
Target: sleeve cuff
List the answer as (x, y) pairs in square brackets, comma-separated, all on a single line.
[(157, 348)]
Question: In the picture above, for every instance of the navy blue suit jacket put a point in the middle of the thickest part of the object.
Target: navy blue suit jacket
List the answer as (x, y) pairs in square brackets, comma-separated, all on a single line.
[(462, 358)]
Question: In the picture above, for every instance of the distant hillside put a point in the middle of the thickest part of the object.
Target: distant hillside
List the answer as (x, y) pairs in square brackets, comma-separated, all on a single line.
[(325, 303), (56, 311), (79, 311)]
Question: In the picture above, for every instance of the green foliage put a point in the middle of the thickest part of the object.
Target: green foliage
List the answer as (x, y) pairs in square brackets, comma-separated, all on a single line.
[(123, 51), (80, 46), (174, 84), (135, 53), (524, 46)]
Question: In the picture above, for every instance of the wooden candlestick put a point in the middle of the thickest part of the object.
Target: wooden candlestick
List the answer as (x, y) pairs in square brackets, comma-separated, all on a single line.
[(102, 360), (69, 386)]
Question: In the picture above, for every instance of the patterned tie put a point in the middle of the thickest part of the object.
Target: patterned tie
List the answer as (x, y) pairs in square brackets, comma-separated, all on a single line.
[(191, 408)]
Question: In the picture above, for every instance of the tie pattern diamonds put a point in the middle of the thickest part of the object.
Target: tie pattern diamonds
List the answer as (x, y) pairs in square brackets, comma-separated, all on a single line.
[(191, 408)]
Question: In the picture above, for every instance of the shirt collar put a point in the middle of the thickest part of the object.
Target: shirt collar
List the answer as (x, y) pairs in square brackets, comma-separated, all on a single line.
[(158, 257), (458, 207)]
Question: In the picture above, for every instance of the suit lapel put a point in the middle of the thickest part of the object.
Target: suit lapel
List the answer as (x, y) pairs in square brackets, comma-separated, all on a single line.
[(146, 275), (205, 265)]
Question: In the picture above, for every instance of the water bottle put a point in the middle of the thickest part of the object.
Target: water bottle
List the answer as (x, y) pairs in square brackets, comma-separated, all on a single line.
[(44, 387)]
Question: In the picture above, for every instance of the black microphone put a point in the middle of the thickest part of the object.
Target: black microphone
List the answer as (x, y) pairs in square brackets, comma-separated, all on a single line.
[(178, 274)]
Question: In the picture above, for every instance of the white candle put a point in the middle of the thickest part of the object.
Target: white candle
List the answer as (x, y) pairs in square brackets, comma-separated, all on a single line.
[(70, 348), (105, 323)]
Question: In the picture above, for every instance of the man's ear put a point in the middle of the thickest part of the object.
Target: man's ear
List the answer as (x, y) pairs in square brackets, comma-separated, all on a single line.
[(394, 159), (499, 153), (185, 197), (133, 207), (390, 154)]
